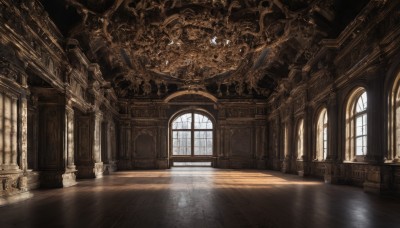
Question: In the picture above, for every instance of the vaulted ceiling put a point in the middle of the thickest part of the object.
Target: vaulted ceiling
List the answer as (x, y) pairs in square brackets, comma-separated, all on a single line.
[(230, 48)]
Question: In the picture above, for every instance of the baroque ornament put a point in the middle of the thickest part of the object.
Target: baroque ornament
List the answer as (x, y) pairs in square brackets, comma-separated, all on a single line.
[(221, 46)]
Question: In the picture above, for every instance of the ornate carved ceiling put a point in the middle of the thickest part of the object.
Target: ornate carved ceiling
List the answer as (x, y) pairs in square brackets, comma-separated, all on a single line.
[(150, 48)]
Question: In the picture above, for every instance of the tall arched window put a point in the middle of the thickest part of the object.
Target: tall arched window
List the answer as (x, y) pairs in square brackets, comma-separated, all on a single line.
[(394, 121), (322, 136), (286, 142), (356, 129), (360, 116), (397, 124), (192, 135), (300, 139)]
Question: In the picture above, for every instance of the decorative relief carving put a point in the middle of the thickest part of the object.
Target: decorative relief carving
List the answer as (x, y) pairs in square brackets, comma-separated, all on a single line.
[(262, 111), (148, 112), (320, 84), (299, 104), (239, 112)]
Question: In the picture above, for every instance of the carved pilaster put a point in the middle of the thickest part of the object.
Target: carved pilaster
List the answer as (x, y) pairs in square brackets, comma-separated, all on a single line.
[(333, 127), (69, 137), (23, 133)]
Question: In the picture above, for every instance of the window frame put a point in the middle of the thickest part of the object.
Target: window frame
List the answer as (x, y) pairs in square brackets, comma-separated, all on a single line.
[(393, 154), (192, 131), (356, 116), (351, 117), (322, 135)]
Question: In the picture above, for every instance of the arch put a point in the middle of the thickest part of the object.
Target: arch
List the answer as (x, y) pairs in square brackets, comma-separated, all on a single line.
[(356, 125), (188, 92), (191, 134), (321, 135)]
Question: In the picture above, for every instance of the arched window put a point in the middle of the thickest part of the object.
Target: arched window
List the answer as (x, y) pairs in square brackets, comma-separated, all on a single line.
[(300, 139), (322, 136), (356, 129), (286, 142), (192, 135), (394, 121), (360, 116), (397, 124)]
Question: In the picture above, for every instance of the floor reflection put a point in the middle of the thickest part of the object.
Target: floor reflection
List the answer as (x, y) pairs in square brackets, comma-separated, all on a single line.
[(202, 197)]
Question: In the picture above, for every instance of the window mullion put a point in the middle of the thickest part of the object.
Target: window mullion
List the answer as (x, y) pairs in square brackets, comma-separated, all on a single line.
[(192, 135)]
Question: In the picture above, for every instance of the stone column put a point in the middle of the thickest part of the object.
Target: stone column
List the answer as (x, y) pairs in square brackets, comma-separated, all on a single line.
[(331, 176), (112, 144), (14, 133), (376, 131), (105, 139), (286, 147), (23, 133), (108, 146), (2, 112), (96, 144), (69, 177), (10, 132), (7, 132), (260, 145), (12, 110)]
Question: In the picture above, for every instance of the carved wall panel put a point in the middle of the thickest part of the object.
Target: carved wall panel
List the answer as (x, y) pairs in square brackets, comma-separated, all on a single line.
[(241, 142), (32, 139), (51, 140), (240, 112), (83, 139), (125, 141), (145, 144)]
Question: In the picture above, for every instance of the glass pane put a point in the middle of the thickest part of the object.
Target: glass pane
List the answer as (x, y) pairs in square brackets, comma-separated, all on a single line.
[(183, 122), (203, 143), (361, 104), (325, 117), (322, 135), (181, 143), (202, 122), (361, 125), (359, 146)]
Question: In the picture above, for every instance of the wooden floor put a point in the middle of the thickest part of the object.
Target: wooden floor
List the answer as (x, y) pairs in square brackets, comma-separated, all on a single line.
[(203, 197)]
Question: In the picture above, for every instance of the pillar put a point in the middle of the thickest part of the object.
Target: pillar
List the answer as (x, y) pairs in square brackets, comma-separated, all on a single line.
[(12, 140), (54, 146), (108, 144), (88, 154), (376, 131), (96, 144), (7, 132), (331, 176), (69, 177), (2, 112), (14, 134)]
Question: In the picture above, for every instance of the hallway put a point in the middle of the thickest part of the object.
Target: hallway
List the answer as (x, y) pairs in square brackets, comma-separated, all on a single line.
[(202, 197)]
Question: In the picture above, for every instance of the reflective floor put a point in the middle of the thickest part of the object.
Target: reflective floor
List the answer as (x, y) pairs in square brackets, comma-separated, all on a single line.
[(203, 197)]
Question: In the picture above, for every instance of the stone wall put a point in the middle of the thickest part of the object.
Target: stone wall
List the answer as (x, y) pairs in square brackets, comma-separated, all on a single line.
[(239, 131), (365, 55)]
